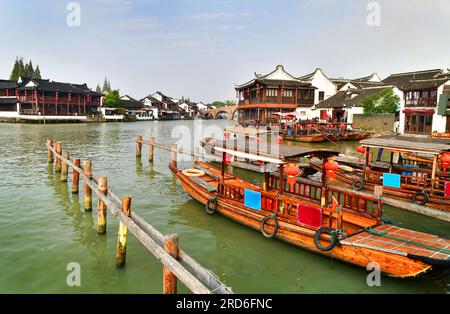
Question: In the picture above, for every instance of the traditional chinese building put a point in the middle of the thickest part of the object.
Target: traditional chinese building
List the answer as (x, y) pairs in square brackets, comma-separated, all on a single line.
[(276, 92), (425, 106), (36, 99)]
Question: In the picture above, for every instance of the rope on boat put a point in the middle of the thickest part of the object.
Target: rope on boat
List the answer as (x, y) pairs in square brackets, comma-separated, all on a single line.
[(385, 235)]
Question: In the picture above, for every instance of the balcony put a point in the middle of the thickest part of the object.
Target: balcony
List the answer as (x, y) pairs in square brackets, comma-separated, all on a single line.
[(61, 100), (421, 102), (275, 101)]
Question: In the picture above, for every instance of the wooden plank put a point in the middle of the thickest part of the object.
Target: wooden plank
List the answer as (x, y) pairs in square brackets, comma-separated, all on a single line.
[(204, 184)]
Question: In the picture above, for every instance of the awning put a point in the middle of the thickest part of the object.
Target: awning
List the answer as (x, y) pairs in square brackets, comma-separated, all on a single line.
[(418, 111)]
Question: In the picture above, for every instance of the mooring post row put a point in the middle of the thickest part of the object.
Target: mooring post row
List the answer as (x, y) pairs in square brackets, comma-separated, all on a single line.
[(167, 252)]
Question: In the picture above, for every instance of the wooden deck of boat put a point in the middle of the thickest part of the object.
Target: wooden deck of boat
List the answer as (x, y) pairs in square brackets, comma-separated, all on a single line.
[(402, 242)]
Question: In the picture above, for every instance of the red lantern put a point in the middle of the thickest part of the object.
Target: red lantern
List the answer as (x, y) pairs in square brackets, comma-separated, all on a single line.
[(292, 172), (445, 162), (227, 160), (280, 140), (226, 136), (361, 150), (330, 167)]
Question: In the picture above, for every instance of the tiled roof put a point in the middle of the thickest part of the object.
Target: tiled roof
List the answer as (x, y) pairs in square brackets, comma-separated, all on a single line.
[(341, 99)]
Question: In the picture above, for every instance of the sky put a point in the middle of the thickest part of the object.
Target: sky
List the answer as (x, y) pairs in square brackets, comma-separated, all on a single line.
[(201, 48)]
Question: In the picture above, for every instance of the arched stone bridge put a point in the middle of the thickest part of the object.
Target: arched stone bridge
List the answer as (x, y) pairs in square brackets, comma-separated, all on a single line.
[(214, 113)]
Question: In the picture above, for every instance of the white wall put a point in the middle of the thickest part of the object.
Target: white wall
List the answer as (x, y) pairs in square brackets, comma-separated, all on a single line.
[(352, 111), (346, 86), (323, 84), (307, 113), (439, 122)]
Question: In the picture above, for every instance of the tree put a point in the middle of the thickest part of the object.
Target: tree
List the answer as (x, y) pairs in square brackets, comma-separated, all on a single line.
[(112, 99), (24, 69), (383, 102), (230, 103), (29, 69), (21, 67), (37, 73), (218, 104), (98, 89), (15, 71), (106, 86)]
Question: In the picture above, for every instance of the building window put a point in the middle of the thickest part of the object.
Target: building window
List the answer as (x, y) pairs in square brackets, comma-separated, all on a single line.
[(418, 123), (271, 92), (287, 93), (321, 96)]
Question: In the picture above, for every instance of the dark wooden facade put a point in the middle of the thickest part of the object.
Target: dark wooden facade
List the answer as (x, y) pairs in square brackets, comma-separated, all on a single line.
[(260, 98), (44, 97)]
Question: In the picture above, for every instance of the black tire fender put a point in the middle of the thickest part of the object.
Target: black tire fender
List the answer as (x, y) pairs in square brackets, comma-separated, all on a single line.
[(333, 242), (423, 193), (275, 226), (211, 210), (358, 184)]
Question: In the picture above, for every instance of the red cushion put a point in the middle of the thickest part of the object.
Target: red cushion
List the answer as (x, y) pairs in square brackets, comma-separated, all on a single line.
[(447, 188), (310, 216)]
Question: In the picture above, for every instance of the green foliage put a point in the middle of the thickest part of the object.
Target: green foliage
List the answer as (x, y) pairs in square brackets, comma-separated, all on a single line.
[(112, 99), (37, 73), (383, 102), (218, 104), (106, 86), (120, 111), (15, 71), (24, 69), (230, 103), (98, 89)]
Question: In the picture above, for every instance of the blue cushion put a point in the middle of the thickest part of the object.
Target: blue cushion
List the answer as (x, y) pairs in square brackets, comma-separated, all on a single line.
[(252, 199), (391, 180)]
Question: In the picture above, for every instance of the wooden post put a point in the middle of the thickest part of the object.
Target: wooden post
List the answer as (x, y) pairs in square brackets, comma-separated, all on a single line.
[(101, 213), (434, 180), (58, 150), (139, 146), (87, 168), (152, 150), (169, 279), (64, 167), (49, 152), (122, 235), (196, 155), (378, 190), (174, 154), (75, 177), (265, 181), (324, 184)]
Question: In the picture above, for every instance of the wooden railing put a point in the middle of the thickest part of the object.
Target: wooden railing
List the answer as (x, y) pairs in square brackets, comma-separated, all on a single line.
[(303, 188), (177, 264), (61, 100), (354, 202), (418, 180), (284, 205), (421, 102)]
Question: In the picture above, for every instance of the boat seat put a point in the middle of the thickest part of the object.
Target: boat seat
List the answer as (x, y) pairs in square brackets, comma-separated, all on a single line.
[(204, 184)]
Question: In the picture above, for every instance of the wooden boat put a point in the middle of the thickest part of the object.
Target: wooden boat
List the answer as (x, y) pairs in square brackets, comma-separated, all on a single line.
[(422, 179), (312, 132), (307, 138), (313, 216)]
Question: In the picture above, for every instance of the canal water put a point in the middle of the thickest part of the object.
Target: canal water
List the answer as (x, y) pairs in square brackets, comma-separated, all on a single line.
[(44, 227)]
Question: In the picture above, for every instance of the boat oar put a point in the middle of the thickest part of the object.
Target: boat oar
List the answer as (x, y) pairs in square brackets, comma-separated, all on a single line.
[(326, 137)]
